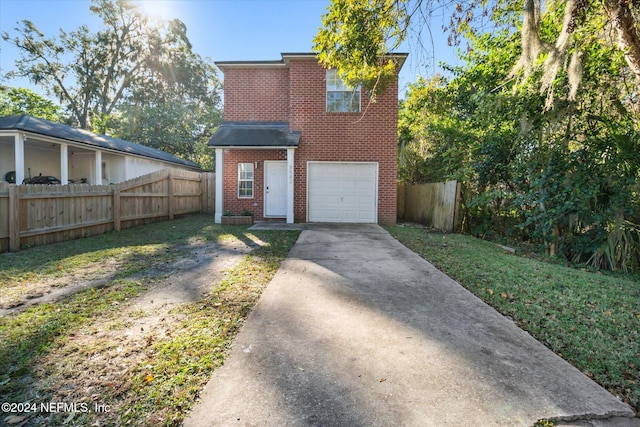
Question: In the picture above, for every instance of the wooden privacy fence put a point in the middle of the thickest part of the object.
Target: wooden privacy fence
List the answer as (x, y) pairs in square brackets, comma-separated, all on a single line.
[(434, 205), (33, 215)]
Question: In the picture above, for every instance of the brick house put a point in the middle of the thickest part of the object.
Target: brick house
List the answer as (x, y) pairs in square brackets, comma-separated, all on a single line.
[(296, 144)]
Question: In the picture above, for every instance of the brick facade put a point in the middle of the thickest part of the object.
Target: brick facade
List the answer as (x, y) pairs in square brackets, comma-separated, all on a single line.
[(294, 91), (256, 94), (231, 159)]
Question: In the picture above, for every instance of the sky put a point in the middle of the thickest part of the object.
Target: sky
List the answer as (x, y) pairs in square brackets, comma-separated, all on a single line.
[(222, 30)]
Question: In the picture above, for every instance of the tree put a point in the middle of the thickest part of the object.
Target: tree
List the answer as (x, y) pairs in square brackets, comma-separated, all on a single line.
[(17, 101), (358, 34), (435, 142), (177, 109), (113, 80), (88, 73), (174, 127), (564, 177), (356, 38)]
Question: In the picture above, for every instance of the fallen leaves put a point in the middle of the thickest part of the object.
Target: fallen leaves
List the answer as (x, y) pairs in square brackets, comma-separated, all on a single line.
[(14, 419)]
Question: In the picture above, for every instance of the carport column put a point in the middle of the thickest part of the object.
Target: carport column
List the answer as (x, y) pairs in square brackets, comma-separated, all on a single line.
[(290, 181), (98, 177), (219, 186), (19, 157), (64, 164)]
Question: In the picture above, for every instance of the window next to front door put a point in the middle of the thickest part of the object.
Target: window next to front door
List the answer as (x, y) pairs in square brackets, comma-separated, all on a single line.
[(245, 180)]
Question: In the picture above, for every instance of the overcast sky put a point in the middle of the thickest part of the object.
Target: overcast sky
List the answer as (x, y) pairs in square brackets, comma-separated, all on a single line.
[(222, 30)]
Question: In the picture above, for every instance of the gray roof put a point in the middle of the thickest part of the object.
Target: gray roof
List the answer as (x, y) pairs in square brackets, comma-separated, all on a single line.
[(58, 130), (254, 134)]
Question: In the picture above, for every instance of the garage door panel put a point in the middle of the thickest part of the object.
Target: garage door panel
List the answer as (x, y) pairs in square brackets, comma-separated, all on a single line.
[(342, 192)]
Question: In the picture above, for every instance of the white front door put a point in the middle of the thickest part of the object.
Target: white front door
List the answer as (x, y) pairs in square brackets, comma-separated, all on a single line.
[(275, 189)]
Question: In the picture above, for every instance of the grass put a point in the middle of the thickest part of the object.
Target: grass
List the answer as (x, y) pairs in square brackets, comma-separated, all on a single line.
[(590, 319), (75, 350), (146, 245)]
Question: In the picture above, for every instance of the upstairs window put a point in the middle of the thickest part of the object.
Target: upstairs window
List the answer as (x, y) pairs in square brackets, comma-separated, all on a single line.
[(245, 180), (340, 97)]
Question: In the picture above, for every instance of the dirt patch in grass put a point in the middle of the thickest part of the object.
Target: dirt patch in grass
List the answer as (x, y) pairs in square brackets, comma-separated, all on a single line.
[(100, 274), (135, 350), (100, 361)]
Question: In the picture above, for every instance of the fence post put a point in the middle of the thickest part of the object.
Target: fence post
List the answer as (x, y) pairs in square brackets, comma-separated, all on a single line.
[(14, 218), (171, 201), (116, 209), (456, 209), (400, 197), (203, 192)]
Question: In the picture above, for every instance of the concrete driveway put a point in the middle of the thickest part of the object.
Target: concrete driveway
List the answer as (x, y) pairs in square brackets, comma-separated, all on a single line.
[(357, 330)]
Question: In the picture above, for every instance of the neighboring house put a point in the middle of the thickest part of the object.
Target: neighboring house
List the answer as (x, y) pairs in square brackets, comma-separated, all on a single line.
[(31, 147), (296, 144)]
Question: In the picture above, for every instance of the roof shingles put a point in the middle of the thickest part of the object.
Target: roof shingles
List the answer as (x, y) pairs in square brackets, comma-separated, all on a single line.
[(254, 134)]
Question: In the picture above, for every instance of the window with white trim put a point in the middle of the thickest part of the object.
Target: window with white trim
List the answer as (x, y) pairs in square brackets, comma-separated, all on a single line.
[(340, 97), (245, 180)]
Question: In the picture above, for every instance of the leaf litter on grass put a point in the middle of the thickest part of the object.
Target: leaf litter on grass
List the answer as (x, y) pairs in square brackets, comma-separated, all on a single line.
[(144, 358), (587, 318)]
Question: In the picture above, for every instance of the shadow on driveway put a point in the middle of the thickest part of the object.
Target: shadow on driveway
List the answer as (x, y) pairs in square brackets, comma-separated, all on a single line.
[(357, 330)]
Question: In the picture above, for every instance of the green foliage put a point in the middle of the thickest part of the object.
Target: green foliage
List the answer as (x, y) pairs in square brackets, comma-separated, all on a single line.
[(621, 251), (563, 178), (179, 127), (17, 101), (356, 38), (433, 144)]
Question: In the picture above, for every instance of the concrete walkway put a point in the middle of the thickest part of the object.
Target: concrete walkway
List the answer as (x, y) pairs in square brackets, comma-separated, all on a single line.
[(357, 330)]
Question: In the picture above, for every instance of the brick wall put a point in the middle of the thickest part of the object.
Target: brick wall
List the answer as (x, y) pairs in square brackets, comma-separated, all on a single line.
[(297, 94), (256, 94), (231, 159)]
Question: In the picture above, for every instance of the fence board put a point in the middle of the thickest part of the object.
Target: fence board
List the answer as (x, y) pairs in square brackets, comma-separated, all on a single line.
[(32, 215), (435, 205), (4, 219), (14, 219)]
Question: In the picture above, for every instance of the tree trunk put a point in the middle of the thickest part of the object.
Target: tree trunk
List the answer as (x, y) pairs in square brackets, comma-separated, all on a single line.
[(552, 247), (628, 37)]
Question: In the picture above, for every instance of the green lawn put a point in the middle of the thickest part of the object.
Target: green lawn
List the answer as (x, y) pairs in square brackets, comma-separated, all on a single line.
[(75, 350), (590, 319)]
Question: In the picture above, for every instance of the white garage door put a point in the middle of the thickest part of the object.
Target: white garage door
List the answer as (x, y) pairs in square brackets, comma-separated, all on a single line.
[(342, 192)]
